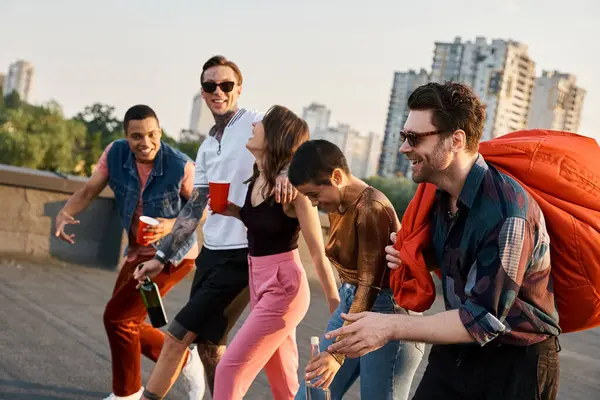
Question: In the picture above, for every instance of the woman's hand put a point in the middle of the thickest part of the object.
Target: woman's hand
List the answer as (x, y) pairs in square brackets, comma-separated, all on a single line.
[(232, 210), (324, 366)]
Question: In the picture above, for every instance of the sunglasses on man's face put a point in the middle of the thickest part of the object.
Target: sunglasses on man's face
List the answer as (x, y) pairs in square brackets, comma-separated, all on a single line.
[(413, 138), (210, 87)]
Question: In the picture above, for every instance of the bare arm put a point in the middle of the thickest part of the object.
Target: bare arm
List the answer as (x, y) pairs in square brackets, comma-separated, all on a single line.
[(369, 331), (77, 203), (310, 224), (186, 223), (232, 210), (441, 328), (82, 198)]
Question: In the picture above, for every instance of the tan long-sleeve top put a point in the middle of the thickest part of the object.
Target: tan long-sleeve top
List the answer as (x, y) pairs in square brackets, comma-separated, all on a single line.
[(356, 246)]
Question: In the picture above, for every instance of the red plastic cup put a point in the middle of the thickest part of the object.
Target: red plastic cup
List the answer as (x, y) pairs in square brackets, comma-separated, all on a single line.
[(143, 223), (219, 192)]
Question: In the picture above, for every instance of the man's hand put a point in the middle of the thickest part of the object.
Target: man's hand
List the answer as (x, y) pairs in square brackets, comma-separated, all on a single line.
[(155, 233), (393, 255), (324, 366), (367, 332), (149, 269), (63, 219), (284, 191)]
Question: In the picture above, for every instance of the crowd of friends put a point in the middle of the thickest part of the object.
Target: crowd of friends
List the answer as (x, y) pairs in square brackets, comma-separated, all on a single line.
[(497, 338)]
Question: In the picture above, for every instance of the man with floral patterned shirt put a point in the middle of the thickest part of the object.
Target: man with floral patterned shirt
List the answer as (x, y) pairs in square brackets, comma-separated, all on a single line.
[(498, 337)]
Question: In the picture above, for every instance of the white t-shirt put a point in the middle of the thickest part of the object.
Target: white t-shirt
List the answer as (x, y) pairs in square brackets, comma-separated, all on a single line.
[(227, 161)]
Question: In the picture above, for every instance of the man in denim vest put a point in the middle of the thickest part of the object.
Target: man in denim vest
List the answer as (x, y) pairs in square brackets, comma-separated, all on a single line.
[(148, 178)]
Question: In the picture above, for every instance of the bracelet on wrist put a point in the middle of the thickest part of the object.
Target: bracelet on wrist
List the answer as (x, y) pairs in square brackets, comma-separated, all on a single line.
[(160, 256)]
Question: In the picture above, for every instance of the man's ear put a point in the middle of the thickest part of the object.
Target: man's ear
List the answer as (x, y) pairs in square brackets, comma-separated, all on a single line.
[(459, 140)]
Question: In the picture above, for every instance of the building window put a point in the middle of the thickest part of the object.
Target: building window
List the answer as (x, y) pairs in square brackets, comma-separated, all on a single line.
[(509, 86)]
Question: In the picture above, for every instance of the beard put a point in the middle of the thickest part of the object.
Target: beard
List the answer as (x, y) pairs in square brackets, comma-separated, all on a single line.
[(432, 164)]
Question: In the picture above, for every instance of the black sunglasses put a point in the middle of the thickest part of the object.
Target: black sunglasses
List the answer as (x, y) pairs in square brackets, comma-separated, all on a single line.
[(210, 87), (413, 138)]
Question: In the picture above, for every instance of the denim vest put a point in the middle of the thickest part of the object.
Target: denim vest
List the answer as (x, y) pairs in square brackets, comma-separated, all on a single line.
[(161, 196)]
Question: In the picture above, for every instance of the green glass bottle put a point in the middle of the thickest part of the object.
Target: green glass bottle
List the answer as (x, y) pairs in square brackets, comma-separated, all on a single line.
[(154, 304)]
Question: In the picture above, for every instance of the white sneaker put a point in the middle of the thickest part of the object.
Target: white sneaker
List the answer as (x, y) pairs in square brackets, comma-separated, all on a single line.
[(193, 373), (135, 396)]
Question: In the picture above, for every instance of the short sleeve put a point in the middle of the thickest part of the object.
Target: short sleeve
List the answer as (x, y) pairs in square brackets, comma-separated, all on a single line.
[(187, 183), (200, 178), (102, 164)]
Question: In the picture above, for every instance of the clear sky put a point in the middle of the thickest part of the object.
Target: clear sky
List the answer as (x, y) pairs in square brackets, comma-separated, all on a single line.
[(341, 53)]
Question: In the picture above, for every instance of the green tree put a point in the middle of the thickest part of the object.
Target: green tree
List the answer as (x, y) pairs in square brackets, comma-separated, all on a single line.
[(100, 118), (398, 189), (189, 148), (102, 128), (40, 138), (168, 139), (13, 100), (18, 147)]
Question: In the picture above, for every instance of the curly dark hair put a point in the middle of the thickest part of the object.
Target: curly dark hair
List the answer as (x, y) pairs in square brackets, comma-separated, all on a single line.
[(454, 106)]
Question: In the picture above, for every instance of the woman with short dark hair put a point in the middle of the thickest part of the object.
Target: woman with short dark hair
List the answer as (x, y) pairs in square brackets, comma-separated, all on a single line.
[(361, 221)]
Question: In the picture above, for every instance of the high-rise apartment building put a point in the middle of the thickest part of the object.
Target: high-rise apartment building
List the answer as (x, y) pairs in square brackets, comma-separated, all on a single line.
[(556, 103), (501, 73), (201, 120), (390, 161), (19, 79), (317, 118)]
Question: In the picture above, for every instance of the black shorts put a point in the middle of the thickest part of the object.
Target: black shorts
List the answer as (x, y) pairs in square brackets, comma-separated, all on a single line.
[(218, 296), (491, 372)]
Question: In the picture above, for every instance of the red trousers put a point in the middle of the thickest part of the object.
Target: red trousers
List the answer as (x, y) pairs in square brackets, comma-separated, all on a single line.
[(129, 335)]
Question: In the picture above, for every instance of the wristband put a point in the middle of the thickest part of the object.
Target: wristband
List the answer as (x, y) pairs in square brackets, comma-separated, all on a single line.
[(160, 256)]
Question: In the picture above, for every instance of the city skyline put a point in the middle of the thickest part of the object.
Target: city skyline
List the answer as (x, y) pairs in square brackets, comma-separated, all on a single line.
[(361, 150), (503, 75), (83, 62)]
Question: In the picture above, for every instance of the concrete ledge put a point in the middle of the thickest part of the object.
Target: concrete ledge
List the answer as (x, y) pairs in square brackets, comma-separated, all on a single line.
[(44, 180), (31, 200)]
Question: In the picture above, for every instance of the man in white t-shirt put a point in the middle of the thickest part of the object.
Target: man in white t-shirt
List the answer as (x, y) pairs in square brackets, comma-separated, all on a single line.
[(219, 292)]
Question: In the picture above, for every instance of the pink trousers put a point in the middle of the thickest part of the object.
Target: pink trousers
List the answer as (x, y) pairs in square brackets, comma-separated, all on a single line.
[(279, 299)]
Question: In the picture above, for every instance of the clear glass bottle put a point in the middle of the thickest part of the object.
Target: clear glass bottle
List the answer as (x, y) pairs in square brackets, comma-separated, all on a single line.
[(313, 392)]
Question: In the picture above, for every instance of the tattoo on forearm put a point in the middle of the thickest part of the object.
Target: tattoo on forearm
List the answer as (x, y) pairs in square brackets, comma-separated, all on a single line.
[(186, 223)]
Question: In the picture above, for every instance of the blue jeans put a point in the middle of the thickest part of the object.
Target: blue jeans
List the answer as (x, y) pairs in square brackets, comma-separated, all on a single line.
[(386, 373)]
